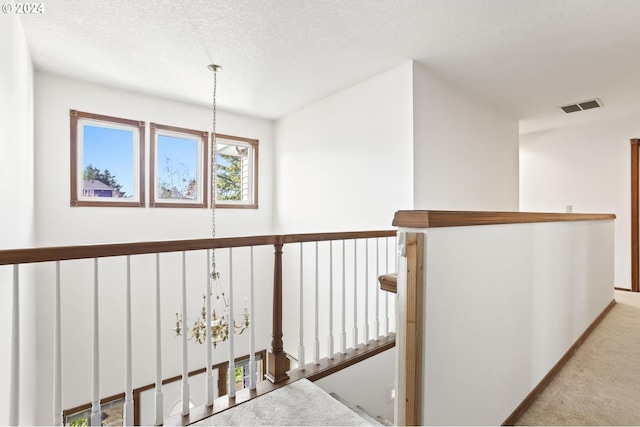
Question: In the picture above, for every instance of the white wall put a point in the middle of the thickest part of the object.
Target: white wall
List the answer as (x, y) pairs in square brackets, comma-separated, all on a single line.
[(503, 304), (344, 163), (465, 153), (16, 207), (401, 140), (55, 95), (59, 224), (588, 167)]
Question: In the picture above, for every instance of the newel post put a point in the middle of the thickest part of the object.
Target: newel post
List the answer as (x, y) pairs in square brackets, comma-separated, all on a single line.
[(410, 335), (277, 359)]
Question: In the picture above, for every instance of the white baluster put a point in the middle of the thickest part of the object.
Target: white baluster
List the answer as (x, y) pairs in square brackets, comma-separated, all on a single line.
[(366, 291), (330, 341), (96, 412), (343, 337), (301, 360), (316, 342), (355, 294), (376, 326), (158, 401), (386, 294), (14, 387), (208, 343), (395, 268), (232, 362), (252, 346), (57, 353), (128, 373), (185, 359)]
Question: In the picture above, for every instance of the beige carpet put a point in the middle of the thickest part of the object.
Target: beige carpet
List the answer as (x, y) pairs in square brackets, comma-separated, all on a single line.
[(600, 385)]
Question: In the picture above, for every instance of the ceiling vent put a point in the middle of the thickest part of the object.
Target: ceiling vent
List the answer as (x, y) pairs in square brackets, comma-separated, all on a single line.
[(580, 106)]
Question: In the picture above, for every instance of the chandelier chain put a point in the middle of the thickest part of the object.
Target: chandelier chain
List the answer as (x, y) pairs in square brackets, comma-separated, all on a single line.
[(219, 325), (214, 272)]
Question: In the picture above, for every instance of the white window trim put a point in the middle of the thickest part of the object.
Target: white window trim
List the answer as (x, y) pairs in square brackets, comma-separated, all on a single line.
[(252, 178), (135, 197)]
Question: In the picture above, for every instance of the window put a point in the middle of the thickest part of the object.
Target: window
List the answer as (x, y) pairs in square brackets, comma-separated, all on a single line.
[(107, 160), (178, 167), (242, 371), (236, 172), (112, 413)]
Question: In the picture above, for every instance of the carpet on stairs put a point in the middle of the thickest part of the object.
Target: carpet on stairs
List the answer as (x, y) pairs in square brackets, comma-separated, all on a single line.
[(301, 404)]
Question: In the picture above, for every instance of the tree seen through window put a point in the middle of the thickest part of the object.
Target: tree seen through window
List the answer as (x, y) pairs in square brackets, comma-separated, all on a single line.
[(228, 177)]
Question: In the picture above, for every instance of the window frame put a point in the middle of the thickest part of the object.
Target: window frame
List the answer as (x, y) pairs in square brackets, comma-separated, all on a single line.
[(252, 203), (203, 175), (79, 117)]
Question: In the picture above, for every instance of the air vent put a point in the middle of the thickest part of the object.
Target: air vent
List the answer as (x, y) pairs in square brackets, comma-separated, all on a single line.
[(580, 106)]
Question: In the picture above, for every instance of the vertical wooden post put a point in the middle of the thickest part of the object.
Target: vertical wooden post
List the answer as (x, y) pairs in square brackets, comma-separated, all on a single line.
[(223, 370), (277, 360), (635, 218), (136, 408), (410, 340), (415, 326)]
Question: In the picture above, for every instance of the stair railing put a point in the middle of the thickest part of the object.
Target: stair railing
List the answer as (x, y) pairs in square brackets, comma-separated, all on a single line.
[(328, 271)]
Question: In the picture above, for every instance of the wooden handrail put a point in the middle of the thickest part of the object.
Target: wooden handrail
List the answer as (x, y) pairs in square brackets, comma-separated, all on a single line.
[(64, 253), (430, 219), (349, 235), (389, 282)]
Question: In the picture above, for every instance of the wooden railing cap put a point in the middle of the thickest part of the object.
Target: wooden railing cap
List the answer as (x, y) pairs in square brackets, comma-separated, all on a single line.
[(430, 219), (62, 253)]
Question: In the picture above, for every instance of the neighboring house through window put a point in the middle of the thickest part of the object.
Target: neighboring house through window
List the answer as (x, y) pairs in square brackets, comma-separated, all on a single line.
[(107, 160), (93, 188)]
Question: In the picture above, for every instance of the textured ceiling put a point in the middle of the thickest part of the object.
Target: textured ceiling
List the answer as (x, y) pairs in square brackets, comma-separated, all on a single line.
[(524, 57)]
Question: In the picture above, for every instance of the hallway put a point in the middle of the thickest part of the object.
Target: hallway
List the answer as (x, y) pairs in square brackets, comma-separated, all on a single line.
[(600, 384)]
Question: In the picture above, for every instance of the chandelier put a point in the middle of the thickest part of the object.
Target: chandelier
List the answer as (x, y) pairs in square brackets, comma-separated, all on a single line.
[(218, 326)]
